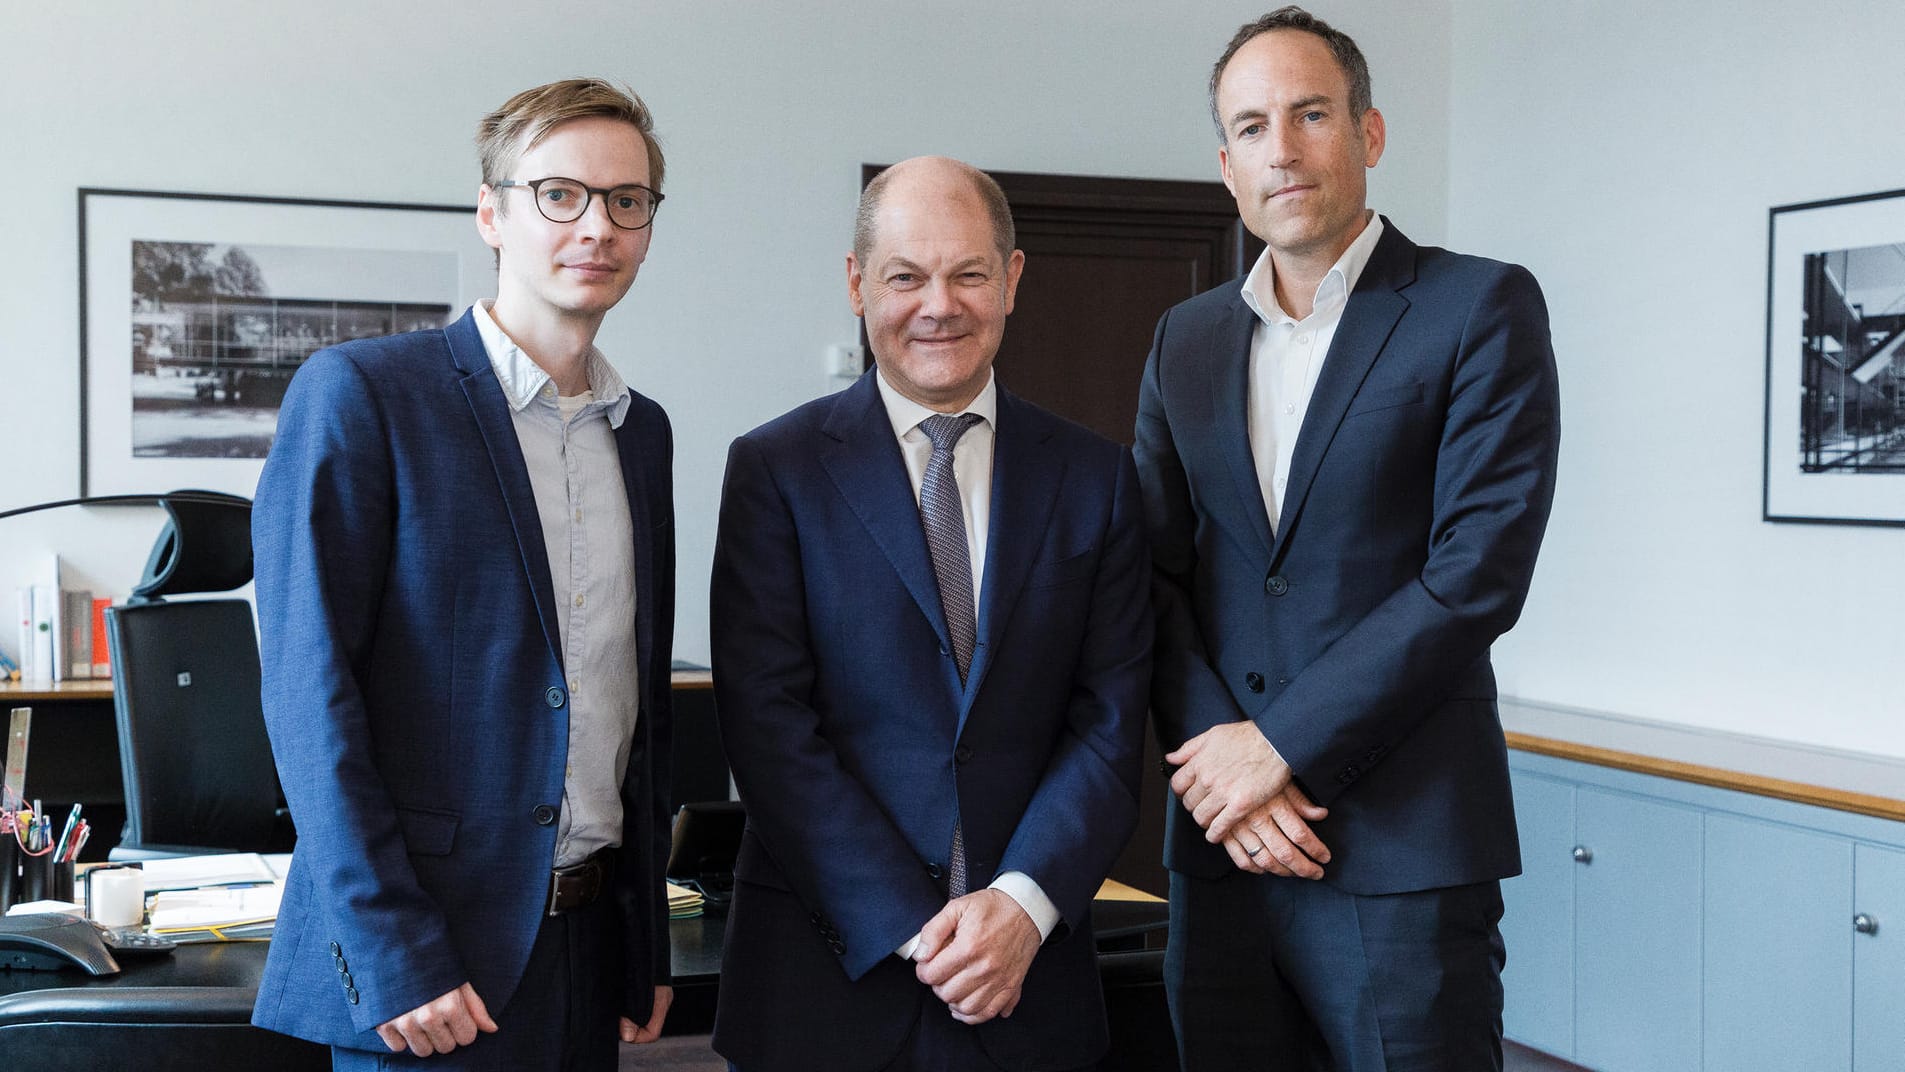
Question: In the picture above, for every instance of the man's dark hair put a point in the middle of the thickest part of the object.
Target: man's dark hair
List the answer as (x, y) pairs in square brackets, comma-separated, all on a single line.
[(1291, 17)]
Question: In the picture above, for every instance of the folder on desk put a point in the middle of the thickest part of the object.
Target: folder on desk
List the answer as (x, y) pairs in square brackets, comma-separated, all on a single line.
[(683, 903)]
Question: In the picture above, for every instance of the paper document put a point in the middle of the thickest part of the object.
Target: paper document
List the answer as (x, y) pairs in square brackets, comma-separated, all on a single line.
[(191, 872), (219, 912)]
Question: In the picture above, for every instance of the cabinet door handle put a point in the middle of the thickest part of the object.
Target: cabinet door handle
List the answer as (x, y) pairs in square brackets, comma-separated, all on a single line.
[(1583, 854), (1865, 924)]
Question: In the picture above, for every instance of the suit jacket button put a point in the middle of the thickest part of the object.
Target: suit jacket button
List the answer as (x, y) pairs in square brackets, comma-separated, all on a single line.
[(349, 983), (341, 966), (814, 918), (933, 872), (962, 754), (839, 947), (1253, 681), (1276, 585), (554, 696), (544, 814), (350, 995), (337, 950)]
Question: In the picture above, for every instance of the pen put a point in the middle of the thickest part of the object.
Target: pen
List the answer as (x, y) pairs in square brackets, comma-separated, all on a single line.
[(66, 835)]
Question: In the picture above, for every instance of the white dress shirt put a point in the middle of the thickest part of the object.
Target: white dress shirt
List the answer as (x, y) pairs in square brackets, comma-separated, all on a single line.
[(1286, 357), (575, 471), (972, 468)]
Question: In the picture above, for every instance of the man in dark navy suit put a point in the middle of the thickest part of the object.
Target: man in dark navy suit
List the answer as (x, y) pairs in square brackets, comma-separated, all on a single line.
[(465, 558), (931, 653), (1347, 467)]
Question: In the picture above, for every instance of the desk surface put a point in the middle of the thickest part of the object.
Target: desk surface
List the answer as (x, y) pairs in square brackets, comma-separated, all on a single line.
[(211, 964), (15, 693)]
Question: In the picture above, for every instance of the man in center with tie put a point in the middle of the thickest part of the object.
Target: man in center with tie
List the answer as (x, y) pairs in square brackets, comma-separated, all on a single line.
[(931, 659)]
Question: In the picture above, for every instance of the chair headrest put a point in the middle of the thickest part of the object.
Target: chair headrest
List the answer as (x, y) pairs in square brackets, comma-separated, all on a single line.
[(204, 547)]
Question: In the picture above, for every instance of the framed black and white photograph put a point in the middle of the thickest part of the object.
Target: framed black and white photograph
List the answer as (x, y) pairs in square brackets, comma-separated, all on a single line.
[(196, 309), (1835, 361)]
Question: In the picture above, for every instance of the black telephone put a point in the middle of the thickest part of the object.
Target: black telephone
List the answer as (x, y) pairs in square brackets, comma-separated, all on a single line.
[(51, 941)]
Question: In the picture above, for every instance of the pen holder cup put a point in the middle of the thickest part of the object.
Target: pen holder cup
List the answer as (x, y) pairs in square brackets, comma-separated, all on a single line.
[(10, 856), (44, 878)]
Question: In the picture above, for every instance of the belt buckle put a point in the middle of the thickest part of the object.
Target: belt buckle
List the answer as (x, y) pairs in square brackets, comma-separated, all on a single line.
[(583, 881)]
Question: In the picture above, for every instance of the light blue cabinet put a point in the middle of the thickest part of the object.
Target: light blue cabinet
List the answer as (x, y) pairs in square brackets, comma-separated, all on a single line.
[(1660, 924), (1778, 947), (1637, 933), (1878, 960), (1538, 918)]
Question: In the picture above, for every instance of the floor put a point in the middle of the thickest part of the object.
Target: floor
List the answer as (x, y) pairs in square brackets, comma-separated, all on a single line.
[(690, 1053)]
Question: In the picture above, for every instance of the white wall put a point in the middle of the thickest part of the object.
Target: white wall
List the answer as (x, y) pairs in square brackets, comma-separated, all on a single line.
[(1628, 153), (767, 111)]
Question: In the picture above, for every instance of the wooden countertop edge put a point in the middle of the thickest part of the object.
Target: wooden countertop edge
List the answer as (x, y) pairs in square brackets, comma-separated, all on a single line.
[(1756, 784)]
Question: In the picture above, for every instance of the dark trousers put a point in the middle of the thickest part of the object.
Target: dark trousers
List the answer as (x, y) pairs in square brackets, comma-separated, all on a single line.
[(938, 1043), (1277, 973), (563, 1017)]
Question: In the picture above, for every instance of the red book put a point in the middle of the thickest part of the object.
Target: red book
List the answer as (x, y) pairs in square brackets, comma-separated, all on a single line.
[(102, 658)]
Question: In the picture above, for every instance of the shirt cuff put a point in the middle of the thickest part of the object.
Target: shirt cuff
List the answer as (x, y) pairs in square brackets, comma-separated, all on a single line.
[(905, 952), (1019, 886)]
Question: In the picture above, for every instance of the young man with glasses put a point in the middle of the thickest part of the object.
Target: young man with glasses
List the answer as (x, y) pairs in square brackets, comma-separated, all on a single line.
[(465, 558)]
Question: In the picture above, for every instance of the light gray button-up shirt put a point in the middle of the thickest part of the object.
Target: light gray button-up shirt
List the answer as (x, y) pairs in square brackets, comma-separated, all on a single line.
[(575, 470)]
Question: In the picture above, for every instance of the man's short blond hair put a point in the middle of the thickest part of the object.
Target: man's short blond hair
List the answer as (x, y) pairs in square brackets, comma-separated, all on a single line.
[(527, 118)]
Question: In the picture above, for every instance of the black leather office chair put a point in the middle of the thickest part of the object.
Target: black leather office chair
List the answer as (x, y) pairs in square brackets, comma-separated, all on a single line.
[(190, 1011), (193, 754)]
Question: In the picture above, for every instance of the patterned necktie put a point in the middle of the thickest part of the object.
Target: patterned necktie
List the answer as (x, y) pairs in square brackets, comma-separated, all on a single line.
[(943, 516)]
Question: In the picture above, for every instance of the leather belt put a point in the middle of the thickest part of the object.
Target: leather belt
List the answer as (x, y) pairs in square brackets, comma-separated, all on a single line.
[(578, 885)]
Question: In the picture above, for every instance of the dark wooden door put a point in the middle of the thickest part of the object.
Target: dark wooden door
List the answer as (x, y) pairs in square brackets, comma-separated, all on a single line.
[(1104, 258)]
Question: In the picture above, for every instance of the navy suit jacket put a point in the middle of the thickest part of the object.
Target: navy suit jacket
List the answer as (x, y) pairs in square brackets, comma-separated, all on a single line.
[(414, 690), (854, 744), (1357, 637)]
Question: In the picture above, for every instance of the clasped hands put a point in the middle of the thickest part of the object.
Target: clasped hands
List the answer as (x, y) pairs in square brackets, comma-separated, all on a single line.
[(1238, 789), (453, 1020), (974, 954)]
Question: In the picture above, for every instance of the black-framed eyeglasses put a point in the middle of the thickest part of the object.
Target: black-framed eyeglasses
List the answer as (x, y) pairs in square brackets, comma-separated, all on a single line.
[(563, 200)]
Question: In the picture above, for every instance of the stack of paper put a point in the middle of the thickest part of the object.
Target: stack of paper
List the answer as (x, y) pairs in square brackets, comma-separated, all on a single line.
[(216, 914), (682, 903)]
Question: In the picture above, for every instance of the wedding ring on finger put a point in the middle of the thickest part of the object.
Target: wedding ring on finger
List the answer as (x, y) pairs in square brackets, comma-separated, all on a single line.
[(1253, 853)]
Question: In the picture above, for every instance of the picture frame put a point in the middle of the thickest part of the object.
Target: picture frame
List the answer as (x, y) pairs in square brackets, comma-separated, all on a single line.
[(195, 309), (1835, 362)]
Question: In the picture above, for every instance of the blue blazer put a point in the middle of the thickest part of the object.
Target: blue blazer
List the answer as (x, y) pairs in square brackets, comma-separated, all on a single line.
[(854, 744), (1357, 637), (414, 690)]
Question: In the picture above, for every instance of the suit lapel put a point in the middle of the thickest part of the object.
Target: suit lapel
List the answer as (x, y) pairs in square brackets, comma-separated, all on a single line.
[(862, 457), (628, 450), (1026, 474), (1230, 409), (1368, 319), (491, 410)]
